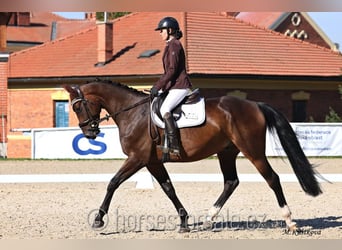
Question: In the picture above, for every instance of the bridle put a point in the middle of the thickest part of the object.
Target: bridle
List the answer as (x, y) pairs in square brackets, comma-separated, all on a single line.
[(94, 121)]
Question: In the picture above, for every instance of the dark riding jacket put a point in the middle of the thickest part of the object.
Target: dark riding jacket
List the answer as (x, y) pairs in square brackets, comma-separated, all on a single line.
[(175, 76)]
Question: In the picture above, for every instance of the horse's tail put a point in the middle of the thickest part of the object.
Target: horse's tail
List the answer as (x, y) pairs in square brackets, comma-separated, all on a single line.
[(288, 139)]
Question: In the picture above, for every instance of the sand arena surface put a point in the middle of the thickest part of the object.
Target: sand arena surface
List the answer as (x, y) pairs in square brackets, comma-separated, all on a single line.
[(62, 210)]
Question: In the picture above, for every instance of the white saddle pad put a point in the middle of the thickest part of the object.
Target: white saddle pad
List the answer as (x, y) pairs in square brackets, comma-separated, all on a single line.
[(192, 115)]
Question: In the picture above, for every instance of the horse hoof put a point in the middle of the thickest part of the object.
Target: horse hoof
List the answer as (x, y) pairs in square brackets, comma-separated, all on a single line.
[(98, 224), (292, 227), (184, 230), (208, 225)]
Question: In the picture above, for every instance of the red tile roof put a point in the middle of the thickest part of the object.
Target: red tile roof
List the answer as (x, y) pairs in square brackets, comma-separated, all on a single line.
[(215, 44), (262, 19), (39, 31), (224, 45)]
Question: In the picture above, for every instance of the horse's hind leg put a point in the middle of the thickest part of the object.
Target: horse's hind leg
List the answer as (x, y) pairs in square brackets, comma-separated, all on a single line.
[(227, 159), (273, 181), (252, 144), (159, 172)]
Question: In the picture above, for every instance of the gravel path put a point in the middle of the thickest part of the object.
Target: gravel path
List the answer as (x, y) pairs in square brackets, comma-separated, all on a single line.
[(62, 210)]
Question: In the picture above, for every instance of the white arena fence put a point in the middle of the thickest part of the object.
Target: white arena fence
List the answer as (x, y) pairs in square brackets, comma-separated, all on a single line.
[(316, 139)]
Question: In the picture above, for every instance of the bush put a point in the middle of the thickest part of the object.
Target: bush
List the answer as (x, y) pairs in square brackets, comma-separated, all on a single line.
[(332, 116)]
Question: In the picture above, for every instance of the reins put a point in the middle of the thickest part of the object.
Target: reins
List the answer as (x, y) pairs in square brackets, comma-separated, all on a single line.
[(146, 99)]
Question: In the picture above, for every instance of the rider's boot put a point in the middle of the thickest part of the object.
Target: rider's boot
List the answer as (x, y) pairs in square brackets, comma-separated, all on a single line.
[(171, 133)]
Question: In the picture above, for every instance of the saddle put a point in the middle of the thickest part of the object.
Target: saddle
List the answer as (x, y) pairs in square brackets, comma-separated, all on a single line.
[(190, 112)]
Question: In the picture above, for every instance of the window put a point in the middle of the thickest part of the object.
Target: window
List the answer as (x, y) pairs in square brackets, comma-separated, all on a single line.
[(299, 111), (61, 114), (299, 106)]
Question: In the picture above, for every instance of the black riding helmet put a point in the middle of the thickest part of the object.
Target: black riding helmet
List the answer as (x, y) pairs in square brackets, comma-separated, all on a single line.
[(168, 22), (172, 24)]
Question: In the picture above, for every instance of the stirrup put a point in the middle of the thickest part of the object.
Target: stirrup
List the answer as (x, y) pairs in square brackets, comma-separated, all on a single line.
[(165, 150), (174, 151)]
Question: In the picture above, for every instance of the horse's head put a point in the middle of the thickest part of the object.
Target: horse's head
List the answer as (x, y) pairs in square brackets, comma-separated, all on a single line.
[(87, 110)]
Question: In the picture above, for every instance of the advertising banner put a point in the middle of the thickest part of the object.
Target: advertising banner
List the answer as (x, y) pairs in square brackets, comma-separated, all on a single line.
[(316, 139), (70, 143)]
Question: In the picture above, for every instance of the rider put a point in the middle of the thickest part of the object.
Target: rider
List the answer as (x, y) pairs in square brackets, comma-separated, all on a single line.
[(174, 81)]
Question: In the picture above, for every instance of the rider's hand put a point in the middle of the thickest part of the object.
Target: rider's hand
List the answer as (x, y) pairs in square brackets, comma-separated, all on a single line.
[(153, 92)]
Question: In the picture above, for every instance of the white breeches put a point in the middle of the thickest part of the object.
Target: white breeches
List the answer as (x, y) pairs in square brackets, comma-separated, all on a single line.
[(173, 98)]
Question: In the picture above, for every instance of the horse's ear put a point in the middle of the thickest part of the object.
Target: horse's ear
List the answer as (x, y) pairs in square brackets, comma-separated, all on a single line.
[(69, 88)]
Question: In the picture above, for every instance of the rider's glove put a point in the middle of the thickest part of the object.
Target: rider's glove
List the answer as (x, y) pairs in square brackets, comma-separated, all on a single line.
[(153, 92)]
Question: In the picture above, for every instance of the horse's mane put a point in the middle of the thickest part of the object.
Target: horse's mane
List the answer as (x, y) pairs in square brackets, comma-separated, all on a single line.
[(118, 84)]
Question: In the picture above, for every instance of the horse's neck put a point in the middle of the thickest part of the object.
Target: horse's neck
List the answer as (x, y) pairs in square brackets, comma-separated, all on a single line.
[(118, 98)]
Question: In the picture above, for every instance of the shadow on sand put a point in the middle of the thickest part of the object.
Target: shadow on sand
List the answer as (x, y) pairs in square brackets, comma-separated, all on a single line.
[(309, 224)]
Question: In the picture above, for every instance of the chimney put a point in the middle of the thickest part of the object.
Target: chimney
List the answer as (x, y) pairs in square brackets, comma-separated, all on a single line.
[(4, 19), (90, 16), (104, 42), (3, 37)]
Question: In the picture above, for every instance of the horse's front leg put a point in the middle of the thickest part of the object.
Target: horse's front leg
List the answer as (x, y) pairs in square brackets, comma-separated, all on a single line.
[(130, 167), (159, 172)]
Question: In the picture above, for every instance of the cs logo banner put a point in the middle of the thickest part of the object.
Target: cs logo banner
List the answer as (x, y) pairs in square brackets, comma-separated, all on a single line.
[(100, 147)]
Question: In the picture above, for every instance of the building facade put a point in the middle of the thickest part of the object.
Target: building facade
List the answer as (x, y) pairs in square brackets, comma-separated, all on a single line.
[(225, 56)]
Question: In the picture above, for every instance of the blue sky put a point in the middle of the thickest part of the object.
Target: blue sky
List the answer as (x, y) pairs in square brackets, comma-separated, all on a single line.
[(329, 22)]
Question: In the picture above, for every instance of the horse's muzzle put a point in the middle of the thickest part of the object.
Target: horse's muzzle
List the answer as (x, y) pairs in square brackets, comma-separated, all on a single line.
[(90, 136), (90, 128), (92, 133)]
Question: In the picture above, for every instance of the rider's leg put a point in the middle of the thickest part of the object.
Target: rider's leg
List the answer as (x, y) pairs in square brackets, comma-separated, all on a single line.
[(174, 97), (171, 133)]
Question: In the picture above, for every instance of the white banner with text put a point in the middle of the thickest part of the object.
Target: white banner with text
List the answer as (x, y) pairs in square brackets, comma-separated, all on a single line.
[(316, 139)]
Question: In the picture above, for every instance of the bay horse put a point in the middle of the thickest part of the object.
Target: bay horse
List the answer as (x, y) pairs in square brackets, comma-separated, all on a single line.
[(232, 126)]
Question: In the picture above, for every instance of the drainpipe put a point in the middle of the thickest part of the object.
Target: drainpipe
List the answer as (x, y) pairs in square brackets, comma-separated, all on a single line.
[(3, 151), (104, 17), (3, 102)]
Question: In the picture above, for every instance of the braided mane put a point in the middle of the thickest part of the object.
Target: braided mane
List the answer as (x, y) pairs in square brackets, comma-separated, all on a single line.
[(117, 84)]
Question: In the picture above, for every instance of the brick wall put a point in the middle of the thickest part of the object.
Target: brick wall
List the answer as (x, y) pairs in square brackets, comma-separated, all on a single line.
[(18, 146), (298, 27), (34, 108), (28, 108)]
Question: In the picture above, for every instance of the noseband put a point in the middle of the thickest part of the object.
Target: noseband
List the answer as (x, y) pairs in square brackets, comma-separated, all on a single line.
[(92, 121)]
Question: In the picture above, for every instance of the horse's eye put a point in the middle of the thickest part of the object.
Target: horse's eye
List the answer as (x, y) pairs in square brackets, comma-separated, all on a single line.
[(77, 108)]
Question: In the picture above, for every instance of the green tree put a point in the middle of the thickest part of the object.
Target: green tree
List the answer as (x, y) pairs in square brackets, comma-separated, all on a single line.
[(332, 116), (110, 15)]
